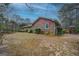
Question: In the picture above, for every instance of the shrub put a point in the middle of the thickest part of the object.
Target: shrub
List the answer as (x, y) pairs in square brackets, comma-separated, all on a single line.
[(60, 31), (76, 30), (38, 31), (31, 31), (63, 31), (27, 30)]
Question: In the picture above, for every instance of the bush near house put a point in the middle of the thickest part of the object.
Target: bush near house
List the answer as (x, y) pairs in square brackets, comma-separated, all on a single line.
[(60, 31), (26, 30), (31, 31), (38, 31)]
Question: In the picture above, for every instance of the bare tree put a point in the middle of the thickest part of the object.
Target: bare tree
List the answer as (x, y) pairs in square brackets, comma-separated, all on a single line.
[(68, 14)]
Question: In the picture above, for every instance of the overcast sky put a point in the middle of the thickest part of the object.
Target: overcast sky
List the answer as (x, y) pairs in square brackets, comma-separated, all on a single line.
[(33, 11)]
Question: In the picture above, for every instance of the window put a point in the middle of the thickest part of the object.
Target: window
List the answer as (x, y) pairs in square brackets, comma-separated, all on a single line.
[(46, 26)]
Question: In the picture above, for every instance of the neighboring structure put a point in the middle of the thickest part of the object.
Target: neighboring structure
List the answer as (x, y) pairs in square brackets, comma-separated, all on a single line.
[(26, 28), (46, 25)]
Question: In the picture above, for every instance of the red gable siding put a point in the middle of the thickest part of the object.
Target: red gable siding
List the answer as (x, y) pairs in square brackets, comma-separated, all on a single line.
[(41, 21)]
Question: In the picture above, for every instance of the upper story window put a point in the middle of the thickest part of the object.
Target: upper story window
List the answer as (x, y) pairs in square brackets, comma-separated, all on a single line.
[(46, 26)]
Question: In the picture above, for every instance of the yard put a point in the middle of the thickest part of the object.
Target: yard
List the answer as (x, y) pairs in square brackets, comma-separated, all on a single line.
[(28, 44)]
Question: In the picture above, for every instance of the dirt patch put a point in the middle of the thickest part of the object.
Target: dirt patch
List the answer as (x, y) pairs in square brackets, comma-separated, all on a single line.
[(42, 45)]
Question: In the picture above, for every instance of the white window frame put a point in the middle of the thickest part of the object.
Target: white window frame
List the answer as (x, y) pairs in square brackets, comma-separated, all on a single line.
[(46, 24)]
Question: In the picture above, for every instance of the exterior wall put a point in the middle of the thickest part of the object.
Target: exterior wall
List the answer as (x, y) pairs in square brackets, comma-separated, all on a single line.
[(41, 24)]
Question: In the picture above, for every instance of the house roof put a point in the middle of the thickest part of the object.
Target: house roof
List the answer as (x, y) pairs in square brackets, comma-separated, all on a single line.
[(43, 19)]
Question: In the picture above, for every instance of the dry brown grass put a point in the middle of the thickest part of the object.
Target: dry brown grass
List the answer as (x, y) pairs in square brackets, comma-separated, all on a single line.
[(36, 44)]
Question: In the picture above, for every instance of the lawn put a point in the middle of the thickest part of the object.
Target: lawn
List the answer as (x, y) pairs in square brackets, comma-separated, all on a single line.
[(28, 44)]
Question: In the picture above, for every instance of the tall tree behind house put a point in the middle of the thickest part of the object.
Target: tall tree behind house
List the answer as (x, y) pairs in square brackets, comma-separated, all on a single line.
[(69, 14)]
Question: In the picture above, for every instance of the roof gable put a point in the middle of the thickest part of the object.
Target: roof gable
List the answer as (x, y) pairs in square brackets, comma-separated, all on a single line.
[(43, 19)]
